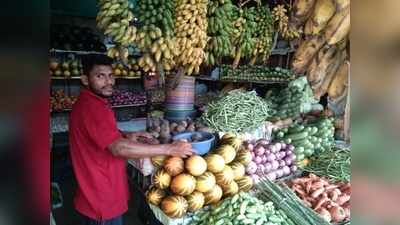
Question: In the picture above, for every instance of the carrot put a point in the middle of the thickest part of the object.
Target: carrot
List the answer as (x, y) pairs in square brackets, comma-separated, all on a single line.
[(317, 184), (320, 202), (343, 199), (334, 194), (308, 186), (317, 192), (338, 214), (331, 187), (298, 190), (325, 214)]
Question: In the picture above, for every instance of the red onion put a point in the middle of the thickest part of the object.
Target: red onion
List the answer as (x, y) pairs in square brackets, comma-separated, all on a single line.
[(286, 170), (264, 158), (258, 159), (283, 145), (259, 150), (250, 147), (279, 173), (271, 176), (251, 168), (278, 146), (271, 157), (253, 155), (288, 161), (282, 163), (290, 147), (267, 152), (255, 178), (293, 168), (275, 165), (267, 167)]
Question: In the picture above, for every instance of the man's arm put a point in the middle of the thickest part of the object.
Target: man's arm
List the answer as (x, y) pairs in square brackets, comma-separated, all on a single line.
[(129, 149)]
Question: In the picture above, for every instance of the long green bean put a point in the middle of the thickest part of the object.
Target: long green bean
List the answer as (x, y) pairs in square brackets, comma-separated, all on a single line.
[(236, 112)]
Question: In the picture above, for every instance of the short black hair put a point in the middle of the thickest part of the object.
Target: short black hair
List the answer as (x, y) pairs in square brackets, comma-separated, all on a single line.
[(91, 60)]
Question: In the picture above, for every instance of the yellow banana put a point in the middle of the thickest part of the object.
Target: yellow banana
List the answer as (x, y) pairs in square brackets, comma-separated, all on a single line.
[(323, 12), (305, 53), (338, 27)]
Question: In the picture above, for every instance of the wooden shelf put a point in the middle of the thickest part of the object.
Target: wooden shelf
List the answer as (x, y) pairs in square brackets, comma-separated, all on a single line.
[(76, 52), (114, 107), (77, 78)]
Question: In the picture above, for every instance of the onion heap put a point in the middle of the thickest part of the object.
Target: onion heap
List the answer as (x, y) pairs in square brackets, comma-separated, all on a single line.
[(272, 160)]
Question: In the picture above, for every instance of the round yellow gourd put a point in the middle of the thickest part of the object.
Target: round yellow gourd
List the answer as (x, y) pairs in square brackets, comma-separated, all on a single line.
[(227, 152), (174, 165), (214, 195), (161, 179), (215, 163), (238, 170), (158, 161), (155, 195), (183, 184), (230, 189), (195, 165), (195, 201), (205, 182), (244, 157), (174, 206), (224, 177), (245, 183)]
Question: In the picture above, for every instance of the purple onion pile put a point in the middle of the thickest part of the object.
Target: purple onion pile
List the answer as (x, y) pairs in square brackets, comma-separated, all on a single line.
[(273, 160), (127, 98)]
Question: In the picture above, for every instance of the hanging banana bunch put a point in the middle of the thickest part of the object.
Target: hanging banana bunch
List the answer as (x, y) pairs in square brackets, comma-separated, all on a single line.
[(220, 28), (191, 33), (282, 23), (155, 38), (113, 19), (263, 34), (245, 26)]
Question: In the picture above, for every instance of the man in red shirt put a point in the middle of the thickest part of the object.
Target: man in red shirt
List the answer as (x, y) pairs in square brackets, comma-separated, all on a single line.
[(99, 150)]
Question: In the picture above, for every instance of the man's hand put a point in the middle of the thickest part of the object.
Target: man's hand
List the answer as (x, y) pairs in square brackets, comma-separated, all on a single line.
[(133, 136), (181, 149)]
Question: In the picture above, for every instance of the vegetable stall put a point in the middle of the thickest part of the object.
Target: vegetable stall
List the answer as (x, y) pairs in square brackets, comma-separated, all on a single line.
[(259, 89)]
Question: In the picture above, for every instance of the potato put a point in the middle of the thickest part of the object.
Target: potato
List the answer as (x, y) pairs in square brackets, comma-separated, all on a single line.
[(180, 129), (173, 125), (183, 124), (191, 128)]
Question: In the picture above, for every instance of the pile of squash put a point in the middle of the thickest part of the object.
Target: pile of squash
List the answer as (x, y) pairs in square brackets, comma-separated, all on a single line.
[(182, 185)]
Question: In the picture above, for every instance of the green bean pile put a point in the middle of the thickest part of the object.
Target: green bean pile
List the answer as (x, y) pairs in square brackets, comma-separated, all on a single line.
[(236, 112), (334, 164)]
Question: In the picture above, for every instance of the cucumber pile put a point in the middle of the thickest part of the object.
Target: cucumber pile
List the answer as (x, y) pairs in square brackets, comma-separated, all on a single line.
[(313, 137), (290, 102), (242, 208), (256, 73)]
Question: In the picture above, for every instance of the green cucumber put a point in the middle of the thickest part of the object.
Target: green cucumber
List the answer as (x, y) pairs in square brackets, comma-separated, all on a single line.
[(299, 150), (297, 136), (309, 152)]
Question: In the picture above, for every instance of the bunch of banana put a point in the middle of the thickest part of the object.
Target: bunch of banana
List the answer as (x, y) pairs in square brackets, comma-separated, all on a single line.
[(245, 26), (155, 38), (338, 27), (323, 12), (157, 12), (263, 34), (302, 9), (156, 49), (282, 20), (113, 19), (219, 29), (191, 33), (339, 84)]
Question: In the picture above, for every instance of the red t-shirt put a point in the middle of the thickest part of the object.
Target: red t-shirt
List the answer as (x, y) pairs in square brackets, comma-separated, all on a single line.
[(102, 191)]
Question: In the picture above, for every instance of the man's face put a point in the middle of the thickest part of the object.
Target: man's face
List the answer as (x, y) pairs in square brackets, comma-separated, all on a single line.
[(100, 80)]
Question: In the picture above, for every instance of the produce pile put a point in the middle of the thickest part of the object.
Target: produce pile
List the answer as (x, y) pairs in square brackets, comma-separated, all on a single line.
[(157, 95), (164, 130), (285, 200), (322, 53), (71, 37), (292, 101), (127, 98), (237, 112), (330, 200), (241, 209), (65, 67), (182, 185), (273, 160), (282, 23), (114, 20), (60, 101), (131, 70), (256, 73), (314, 136), (219, 30), (334, 164)]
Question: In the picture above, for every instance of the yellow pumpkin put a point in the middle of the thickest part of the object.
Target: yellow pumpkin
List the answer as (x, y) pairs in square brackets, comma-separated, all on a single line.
[(158, 161), (205, 182), (224, 177), (195, 201), (230, 189), (161, 179), (244, 157), (238, 170), (215, 163), (196, 165), (227, 152), (213, 196), (183, 184), (174, 165), (245, 183), (174, 206), (154, 195)]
